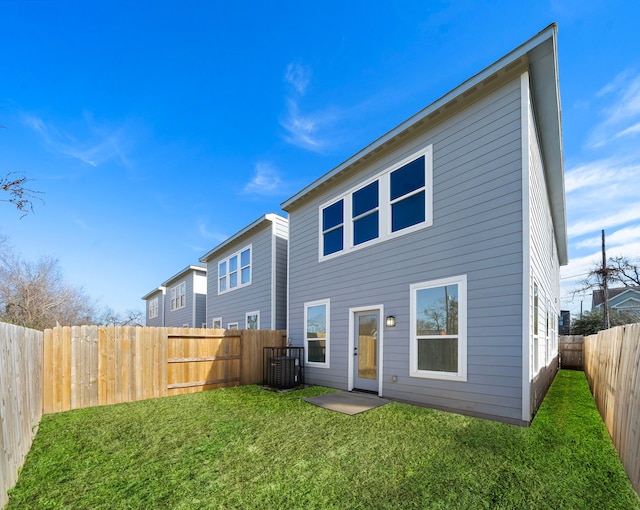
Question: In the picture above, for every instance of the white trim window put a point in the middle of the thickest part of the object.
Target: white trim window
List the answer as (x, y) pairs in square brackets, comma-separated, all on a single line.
[(316, 332), (252, 320), (394, 202), (232, 325), (216, 323), (179, 296), (234, 272), (439, 329), (153, 308)]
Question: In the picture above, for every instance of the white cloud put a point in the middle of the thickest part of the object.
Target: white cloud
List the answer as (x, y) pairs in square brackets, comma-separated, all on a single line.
[(102, 144), (625, 214), (265, 181), (298, 76), (620, 110), (203, 230), (301, 129), (622, 237), (632, 130)]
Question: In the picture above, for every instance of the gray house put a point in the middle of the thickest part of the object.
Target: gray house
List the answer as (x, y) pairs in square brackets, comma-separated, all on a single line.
[(154, 301), (247, 286), (622, 299), (181, 301), (425, 268)]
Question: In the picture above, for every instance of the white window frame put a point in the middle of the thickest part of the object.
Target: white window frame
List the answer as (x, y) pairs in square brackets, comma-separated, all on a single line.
[(227, 276), (178, 296), (153, 308), (249, 314), (232, 325), (219, 321), (461, 374), (327, 304), (384, 207)]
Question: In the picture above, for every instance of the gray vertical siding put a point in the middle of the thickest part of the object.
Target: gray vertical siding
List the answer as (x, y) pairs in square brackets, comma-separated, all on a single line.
[(232, 306), (477, 232)]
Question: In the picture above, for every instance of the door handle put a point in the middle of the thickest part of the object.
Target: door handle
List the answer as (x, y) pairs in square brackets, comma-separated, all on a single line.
[(355, 351)]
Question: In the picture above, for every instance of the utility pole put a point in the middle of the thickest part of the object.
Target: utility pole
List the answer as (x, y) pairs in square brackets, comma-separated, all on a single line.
[(606, 323)]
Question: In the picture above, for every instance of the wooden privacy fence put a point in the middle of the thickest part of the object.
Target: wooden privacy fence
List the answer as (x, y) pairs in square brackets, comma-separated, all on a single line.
[(20, 399), (571, 350), (612, 367), (87, 366)]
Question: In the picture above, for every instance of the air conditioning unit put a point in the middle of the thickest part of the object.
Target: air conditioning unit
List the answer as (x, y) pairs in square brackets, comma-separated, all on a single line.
[(283, 367)]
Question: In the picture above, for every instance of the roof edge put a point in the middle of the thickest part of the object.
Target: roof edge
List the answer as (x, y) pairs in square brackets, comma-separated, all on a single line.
[(269, 217), (547, 33)]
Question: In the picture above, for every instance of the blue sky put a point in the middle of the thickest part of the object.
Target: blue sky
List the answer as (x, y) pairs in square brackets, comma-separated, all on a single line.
[(157, 129)]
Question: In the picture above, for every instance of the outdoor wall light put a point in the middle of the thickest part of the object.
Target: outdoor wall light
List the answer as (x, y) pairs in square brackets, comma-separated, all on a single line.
[(390, 321)]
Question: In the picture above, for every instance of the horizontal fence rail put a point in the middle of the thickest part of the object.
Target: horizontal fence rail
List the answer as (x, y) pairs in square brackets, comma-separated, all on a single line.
[(20, 399), (87, 366), (612, 367)]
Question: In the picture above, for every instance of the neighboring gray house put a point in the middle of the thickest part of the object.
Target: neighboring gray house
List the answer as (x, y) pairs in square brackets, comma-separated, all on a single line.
[(247, 286), (425, 268), (181, 301), (154, 301), (623, 299)]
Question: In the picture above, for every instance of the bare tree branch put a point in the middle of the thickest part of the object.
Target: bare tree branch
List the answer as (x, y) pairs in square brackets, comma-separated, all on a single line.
[(19, 195)]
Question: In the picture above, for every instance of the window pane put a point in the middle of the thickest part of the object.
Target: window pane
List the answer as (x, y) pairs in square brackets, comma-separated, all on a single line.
[(222, 268), (365, 229), (438, 354), (317, 350), (245, 275), (408, 178), (223, 284), (317, 321), (437, 311), (333, 241), (245, 258), (332, 216), (365, 199), (252, 322), (408, 212), (233, 263), (233, 280)]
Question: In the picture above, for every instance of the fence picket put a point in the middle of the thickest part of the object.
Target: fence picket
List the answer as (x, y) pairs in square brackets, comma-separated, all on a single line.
[(612, 368)]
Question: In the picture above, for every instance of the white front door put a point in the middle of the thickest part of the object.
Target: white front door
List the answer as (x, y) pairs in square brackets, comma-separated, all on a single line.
[(366, 326)]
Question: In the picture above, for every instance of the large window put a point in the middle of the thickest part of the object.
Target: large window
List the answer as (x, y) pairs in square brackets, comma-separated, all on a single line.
[(394, 202), (253, 320), (178, 296), (316, 332), (439, 329), (153, 308), (235, 271)]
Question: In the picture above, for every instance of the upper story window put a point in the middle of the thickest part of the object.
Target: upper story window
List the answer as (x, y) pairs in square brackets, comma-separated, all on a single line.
[(393, 203), (235, 271), (333, 228), (153, 308), (178, 296)]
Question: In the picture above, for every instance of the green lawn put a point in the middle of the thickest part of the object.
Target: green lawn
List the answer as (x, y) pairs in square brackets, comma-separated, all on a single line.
[(250, 448)]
